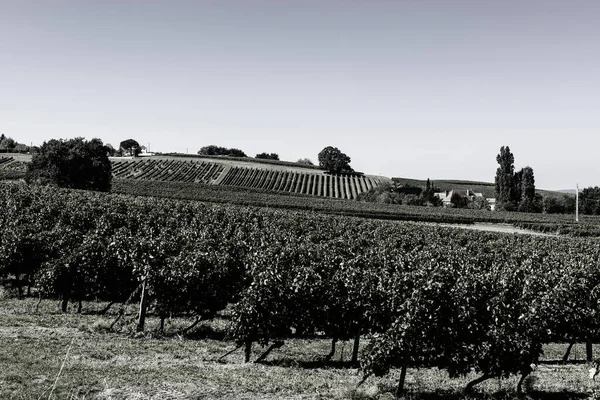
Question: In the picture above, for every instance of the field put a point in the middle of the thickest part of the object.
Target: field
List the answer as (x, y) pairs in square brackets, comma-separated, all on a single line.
[(266, 175), (422, 307), (261, 176), (102, 365), (439, 305)]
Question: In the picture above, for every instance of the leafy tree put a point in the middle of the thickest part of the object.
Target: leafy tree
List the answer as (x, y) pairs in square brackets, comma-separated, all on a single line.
[(527, 200), (236, 153), (110, 149), (504, 178), (589, 201), (213, 150), (553, 205), (267, 156), (7, 143), (130, 146), (527, 184), (569, 204), (429, 196), (515, 190), (459, 201), (479, 203), (74, 163), (21, 148), (334, 161), (305, 161), (517, 183)]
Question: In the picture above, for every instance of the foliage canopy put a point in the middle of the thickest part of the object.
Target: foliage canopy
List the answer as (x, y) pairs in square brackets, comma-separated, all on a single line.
[(74, 163), (334, 161)]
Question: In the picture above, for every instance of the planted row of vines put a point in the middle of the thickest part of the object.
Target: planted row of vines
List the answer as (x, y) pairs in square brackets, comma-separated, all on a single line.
[(421, 295), (167, 170), (300, 181)]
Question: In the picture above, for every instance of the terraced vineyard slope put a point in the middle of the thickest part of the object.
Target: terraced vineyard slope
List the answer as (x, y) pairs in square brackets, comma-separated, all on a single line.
[(12, 164), (302, 182), (307, 181), (168, 170)]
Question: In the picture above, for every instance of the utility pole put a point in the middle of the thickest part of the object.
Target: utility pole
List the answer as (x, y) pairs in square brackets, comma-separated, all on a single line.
[(577, 203)]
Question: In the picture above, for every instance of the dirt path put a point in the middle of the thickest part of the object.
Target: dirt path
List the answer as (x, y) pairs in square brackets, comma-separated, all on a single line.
[(502, 228)]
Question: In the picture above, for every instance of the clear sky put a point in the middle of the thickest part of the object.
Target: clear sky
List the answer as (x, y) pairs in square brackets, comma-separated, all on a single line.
[(410, 88)]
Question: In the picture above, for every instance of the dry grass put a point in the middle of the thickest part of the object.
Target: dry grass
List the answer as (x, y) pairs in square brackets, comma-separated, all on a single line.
[(103, 365)]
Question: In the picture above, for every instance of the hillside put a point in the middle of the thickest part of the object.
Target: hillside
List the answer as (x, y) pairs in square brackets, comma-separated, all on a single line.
[(282, 177), (244, 174), (266, 175)]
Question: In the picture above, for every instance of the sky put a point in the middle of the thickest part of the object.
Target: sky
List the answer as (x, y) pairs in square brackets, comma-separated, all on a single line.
[(407, 88)]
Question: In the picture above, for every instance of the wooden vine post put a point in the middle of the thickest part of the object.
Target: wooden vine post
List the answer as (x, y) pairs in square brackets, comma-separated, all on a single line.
[(143, 305), (588, 343)]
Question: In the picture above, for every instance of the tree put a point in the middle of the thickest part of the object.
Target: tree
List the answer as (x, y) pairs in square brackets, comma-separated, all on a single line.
[(130, 146), (429, 196), (553, 205), (74, 163), (527, 199), (7, 143), (515, 190), (589, 201), (213, 150), (21, 148), (459, 201), (305, 161), (111, 150), (504, 178), (267, 156), (334, 161), (479, 203), (236, 153)]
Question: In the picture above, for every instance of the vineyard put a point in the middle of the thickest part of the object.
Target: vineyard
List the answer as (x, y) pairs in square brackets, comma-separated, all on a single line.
[(12, 164), (236, 182), (546, 223), (11, 168), (168, 170), (308, 181), (420, 296)]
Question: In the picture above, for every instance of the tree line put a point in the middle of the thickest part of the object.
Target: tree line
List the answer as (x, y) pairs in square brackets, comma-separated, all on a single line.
[(9, 145)]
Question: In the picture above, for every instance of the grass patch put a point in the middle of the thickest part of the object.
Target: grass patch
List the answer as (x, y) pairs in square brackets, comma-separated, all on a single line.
[(106, 365)]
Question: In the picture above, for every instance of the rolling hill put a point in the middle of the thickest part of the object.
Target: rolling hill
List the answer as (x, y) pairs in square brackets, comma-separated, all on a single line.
[(281, 177), (266, 175), (262, 176)]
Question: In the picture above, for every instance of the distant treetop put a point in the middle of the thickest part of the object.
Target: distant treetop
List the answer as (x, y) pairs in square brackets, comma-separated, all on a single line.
[(74, 163), (130, 146), (334, 161), (213, 150), (8, 144), (267, 156)]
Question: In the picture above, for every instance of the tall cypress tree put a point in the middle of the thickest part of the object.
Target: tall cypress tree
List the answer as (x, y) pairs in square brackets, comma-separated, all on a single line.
[(527, 190), (504, 178)]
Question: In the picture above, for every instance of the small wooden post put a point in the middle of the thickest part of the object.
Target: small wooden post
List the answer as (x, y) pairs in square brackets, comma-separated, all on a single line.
[(588, 343), (355, 348), (143, 307)]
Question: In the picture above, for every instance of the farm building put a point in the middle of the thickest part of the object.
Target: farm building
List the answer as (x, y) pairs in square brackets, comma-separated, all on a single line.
[(446, 196)]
